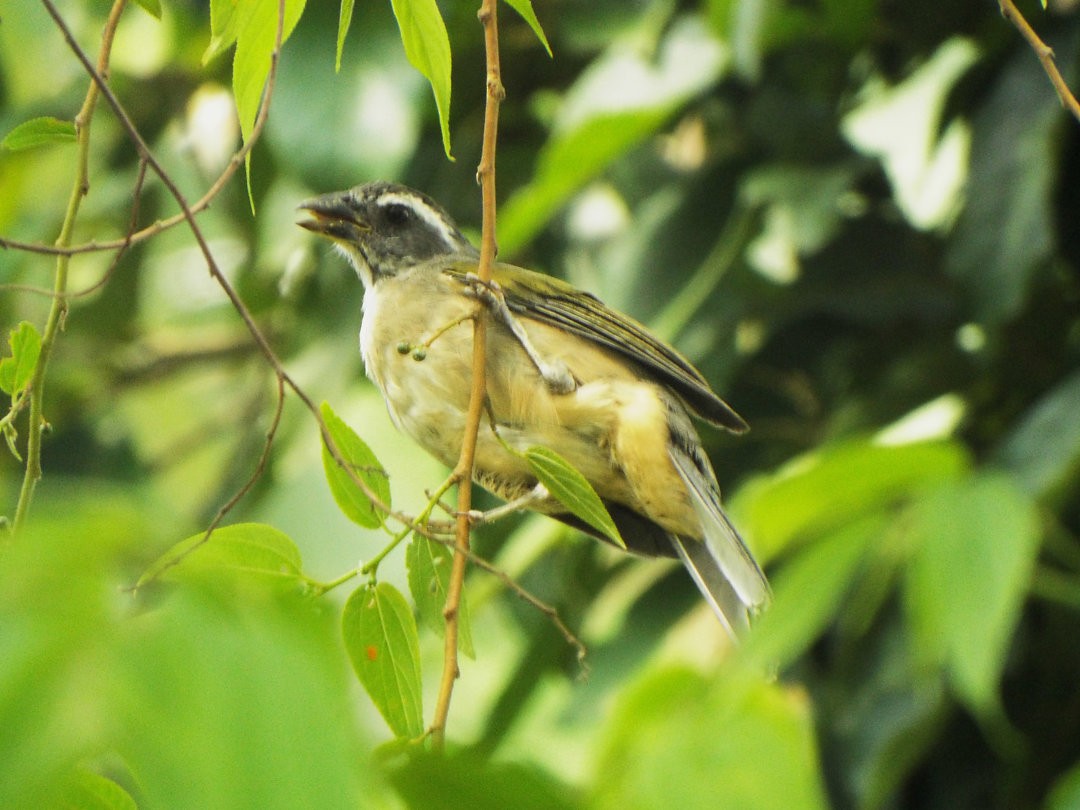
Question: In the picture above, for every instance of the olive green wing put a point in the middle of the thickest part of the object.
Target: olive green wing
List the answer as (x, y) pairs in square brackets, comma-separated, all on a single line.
[(554, 302)]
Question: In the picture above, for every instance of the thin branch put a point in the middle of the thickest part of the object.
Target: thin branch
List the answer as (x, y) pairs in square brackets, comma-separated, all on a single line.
[(245, 488), (125, 243), (548, 610), (136, 236), (1045, 54), (485, 175)]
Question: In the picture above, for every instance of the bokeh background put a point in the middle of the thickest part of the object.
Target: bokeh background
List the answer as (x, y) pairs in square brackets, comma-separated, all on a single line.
[(858, 218)]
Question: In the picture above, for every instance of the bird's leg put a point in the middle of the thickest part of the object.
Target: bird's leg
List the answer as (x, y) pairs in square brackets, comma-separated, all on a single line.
[(555, 374), (534, 495)]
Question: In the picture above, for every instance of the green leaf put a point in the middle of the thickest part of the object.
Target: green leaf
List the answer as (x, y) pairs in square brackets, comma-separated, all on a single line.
[(39, 132), (224, 20), (601, 122), (344, 18), (429, 566), (572, 490), (831, 487), (363, 462), (461, 780), (1065, 794), (213, 695), (525, 9), (886, 714), (151, 7), (808, 592), (565, 164), (17, 370), (722, 739), (193, 696), (1043, 450), (1005, 233), (252, 25), (975, 546), (381, 639), (248, 550), (427, 47), (91, 791)]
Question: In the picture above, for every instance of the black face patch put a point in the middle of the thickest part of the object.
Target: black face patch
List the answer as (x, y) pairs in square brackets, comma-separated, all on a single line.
[(405, 227), (397, 215)]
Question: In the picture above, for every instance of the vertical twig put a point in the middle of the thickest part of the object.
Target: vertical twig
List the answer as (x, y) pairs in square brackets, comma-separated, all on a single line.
[(485, 175), (58, 310)]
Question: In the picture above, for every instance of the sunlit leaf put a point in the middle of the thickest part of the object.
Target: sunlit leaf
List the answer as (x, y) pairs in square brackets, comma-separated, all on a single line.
[(570, 488), (235, 703), (151, 7), (835, 485), (604, 122), (975, 545), (363, 462), (344, 18), (525, 9), (1065, 794), (17, 370), (721, 741), (425, 780), (381, 639), (187, 697), (39, 132), (91, 791), (808, 591), (253, 26), (225, 16), (429, 581), (243, 549), (565, 164), (427, 46)]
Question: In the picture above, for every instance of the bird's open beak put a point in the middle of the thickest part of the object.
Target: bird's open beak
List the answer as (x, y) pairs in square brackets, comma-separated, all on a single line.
[(334, 216)]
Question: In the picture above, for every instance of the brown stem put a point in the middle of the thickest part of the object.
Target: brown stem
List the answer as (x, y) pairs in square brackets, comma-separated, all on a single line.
[(463, 471), (1045, 54)]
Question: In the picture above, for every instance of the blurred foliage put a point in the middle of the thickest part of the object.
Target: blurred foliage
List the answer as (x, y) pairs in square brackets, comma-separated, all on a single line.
[(858, 218)]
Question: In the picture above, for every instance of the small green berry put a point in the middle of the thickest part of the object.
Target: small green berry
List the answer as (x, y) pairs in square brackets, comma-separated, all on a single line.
[(419, 353), (403, 348)]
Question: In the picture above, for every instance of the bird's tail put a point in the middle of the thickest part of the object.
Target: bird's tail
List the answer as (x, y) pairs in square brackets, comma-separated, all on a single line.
[(720, 563)]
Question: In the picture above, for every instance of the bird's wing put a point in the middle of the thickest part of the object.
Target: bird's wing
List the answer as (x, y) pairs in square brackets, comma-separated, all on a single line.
[(554, 302)]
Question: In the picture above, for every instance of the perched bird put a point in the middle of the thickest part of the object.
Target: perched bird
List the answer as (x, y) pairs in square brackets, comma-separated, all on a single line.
[(564, 372)]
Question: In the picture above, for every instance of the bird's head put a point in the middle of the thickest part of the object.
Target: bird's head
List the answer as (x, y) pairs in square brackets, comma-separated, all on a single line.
[(384, 228)]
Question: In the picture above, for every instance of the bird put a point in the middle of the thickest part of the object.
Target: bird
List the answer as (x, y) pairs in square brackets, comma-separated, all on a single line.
[(564, 372)]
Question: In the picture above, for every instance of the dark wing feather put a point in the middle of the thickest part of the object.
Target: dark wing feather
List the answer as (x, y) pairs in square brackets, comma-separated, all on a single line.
[(557, 303)]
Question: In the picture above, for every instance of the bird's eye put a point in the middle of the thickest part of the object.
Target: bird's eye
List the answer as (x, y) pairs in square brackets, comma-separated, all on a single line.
[(397, 214)]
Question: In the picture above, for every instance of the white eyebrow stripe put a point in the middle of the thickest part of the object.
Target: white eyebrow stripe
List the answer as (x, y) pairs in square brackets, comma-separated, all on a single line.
[(425, 212)]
